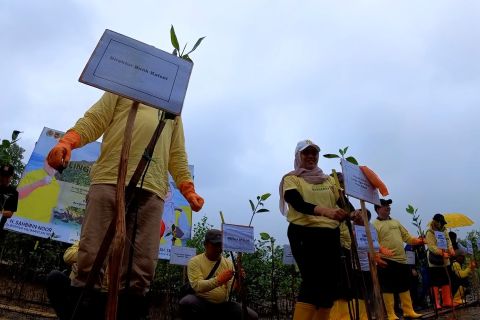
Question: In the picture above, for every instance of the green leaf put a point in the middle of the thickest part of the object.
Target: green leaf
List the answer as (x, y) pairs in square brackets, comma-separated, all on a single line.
[(265, 196), (264, 236), (409, 209), (352, 160), (196, 45), (330, 155), (173, 38), (181, 55), (5, 143), (175, 52), (15, 134), (262, 210), (341, 152), (252, 205), (345, 150)]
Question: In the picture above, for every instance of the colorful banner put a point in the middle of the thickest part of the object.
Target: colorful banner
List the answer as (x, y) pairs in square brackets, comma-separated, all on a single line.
[(52, 204)]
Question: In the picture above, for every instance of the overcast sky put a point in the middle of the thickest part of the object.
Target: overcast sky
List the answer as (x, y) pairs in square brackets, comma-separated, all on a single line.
[(396, 81)]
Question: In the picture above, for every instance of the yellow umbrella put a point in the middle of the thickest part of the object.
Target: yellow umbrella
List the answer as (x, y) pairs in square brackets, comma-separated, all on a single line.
[(456, 220)]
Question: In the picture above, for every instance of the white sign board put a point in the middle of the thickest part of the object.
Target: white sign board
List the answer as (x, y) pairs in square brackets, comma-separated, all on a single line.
[(238, 238), (287, 255), (410, 257), (362, 240), (469, 247), (441, 240), (357, 185), (138, 71), (181, 255)]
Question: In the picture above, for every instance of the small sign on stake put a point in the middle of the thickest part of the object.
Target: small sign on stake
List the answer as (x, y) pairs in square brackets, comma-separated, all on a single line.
[(238, 238)]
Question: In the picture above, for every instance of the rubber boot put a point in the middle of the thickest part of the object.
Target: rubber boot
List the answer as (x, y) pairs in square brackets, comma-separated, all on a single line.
[(362, 310), (447, 297), (304, 311), (407, 307), (436, 295), (323, 314), (388, 299), (339, 311), (458, 298)]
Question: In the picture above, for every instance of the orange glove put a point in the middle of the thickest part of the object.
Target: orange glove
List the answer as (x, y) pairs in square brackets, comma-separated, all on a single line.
[(451, 252), (374, 180), (473, 264), (224, 276), (59, 156), (445, 255), (380, 262), (418, 241), (7, 213), (386, 252), (188, 191)]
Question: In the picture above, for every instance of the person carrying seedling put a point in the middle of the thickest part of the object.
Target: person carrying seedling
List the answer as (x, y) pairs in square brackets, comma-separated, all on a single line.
[(313, 232), (394, 277), (108, 117)]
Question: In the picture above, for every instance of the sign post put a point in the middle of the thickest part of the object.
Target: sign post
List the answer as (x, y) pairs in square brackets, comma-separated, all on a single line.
[(358, 186)]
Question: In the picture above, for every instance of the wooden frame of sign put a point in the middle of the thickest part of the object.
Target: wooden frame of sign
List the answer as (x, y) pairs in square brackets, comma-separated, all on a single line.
[(358, 186)]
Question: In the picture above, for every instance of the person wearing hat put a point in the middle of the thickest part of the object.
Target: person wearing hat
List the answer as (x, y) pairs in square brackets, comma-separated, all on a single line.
[(314, 219), (108, 118), (394, 277), (211, 276), (8, 194), (438, 261), (460, 274)]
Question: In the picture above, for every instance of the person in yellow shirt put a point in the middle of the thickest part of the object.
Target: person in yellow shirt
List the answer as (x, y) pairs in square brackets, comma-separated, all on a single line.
[(210, 299), (460, 276), (108, 117), (313, 231), (438, 270), (394, 277)]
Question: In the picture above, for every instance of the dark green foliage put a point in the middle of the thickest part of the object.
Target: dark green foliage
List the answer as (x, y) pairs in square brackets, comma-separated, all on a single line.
[(12, 153)]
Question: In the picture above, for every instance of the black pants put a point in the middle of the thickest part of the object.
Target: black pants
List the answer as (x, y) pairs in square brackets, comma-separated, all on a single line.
[(317, 253), (193, 307), (395, 277)]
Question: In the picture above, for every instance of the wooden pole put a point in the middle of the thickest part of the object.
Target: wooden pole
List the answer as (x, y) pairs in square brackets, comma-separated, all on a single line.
[(118, 245), (377, 301)]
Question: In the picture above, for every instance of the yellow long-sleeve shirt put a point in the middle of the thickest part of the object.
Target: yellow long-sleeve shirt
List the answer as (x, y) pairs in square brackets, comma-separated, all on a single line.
[(461, 273), (431, 242), (108, 117), (198, 269), (392, 235)]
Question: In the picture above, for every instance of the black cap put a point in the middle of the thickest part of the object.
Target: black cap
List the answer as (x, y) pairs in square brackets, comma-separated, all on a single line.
[(213, 236), (440, 218), (7, 170), (383, 202)]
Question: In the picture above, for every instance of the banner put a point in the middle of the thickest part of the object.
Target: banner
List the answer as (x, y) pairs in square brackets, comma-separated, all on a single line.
[(52, 204)]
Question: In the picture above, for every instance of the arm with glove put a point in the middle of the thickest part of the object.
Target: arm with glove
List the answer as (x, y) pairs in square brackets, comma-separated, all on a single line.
[(178, 167)]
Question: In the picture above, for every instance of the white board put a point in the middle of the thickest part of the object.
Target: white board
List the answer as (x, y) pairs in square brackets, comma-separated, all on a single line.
[(357, 185), (238, 238), (181, 255), (138, 71)]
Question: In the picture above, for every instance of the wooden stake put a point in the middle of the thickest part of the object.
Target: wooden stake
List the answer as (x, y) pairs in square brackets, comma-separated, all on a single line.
[(118, 245), (378, 308)]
